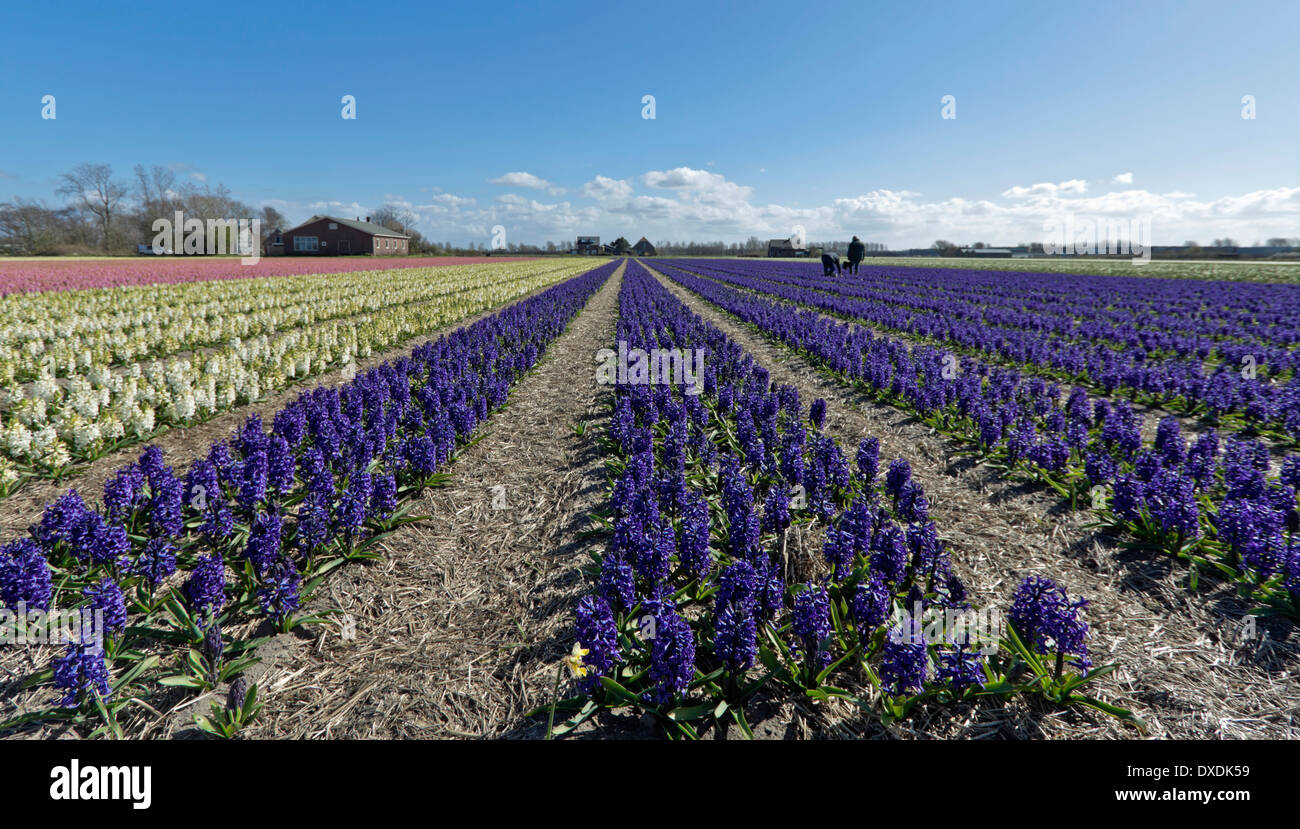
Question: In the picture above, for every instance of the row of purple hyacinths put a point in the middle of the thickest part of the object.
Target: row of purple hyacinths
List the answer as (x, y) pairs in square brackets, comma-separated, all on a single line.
[(239, 534), (694, 586), (1161, 317), (1219, 504), (1253, 383)]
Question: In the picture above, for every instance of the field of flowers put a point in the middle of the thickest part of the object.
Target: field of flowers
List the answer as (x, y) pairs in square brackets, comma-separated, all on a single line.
[(1228, 507), (700, 608), (85, 372), (183, 568), (746, 552), (1222, 270), (77, 273)]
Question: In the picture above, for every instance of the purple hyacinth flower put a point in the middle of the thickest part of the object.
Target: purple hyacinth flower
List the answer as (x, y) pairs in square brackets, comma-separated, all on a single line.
[(596, 631), (811, 624), (24, 577), (1048, 621), (80, 673), (672, 657), (107, 599), (278, 592), (903, 659), (206, 587)]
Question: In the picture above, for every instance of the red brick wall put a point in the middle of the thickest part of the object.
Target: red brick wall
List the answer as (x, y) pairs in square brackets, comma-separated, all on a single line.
[(342, 240)]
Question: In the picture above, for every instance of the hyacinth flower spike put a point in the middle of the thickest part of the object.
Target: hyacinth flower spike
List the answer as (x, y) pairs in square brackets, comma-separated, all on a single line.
[(1044, 622)]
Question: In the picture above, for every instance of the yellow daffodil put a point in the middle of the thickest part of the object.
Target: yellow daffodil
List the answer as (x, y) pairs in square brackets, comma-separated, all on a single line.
[(574, 660)]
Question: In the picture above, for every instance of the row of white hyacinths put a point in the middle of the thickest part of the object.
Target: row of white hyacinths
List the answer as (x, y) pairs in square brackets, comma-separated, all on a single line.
[(48, 424), (65, 333)]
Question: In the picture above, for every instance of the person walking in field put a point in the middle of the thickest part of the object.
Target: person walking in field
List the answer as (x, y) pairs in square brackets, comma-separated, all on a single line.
[(830, 263), (857, 251)]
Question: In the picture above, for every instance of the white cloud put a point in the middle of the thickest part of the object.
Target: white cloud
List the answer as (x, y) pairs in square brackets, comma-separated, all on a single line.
[(605, 189), (1123, 178), (528, 180), (1046, 189), (699, 185), (683, 203)]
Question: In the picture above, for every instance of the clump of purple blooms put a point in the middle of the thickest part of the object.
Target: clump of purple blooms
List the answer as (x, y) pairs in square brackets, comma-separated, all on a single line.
[(903, 658), (1048, 622), (80, 673), (811, 624), (597, 632)]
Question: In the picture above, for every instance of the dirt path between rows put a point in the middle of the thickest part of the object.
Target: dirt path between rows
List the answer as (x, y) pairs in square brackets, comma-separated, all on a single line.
[(1184, 667), (460, 627), (182, 446)]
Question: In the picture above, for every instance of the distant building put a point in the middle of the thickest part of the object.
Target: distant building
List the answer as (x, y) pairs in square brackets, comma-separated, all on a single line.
[(274, 243), (993, 252), (784, 248), (587, 246), (332, 236), (643, 247)]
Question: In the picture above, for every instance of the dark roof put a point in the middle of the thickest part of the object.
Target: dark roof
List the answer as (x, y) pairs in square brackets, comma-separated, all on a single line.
[(781, 243), (365, 227)]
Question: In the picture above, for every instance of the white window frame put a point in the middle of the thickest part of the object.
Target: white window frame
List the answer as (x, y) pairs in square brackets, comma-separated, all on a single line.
[(306, 243)]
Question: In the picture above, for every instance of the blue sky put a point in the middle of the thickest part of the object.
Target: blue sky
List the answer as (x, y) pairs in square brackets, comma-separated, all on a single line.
[(767, 115)]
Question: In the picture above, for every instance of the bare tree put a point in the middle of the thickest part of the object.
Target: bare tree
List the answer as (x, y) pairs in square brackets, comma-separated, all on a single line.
[(92, 188), (273, 219), (395, 218), (155, 189), (28, 226)]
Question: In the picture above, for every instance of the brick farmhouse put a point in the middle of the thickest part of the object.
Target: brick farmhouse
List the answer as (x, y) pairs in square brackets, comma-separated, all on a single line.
[(332, 236)]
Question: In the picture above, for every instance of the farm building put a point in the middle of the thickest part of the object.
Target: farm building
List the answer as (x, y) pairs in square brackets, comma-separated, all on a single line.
[(587, 245), (644, 248), (784, 248), (332, 236)]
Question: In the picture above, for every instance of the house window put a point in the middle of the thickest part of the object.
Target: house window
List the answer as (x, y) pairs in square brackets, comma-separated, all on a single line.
[(334, 226), (307, 243)]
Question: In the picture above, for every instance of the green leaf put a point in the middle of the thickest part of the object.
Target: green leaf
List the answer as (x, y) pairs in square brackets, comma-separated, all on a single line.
[(1122, 714), (689, 713), (135, 670), (739, 716), (618, 691)]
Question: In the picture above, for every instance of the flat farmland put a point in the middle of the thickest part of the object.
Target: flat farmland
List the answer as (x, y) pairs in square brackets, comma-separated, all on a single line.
[(31, 274), (729, 497)]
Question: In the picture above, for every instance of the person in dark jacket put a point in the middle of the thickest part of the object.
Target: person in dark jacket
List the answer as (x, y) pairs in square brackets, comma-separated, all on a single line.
[(830, 263), (857, 251)]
